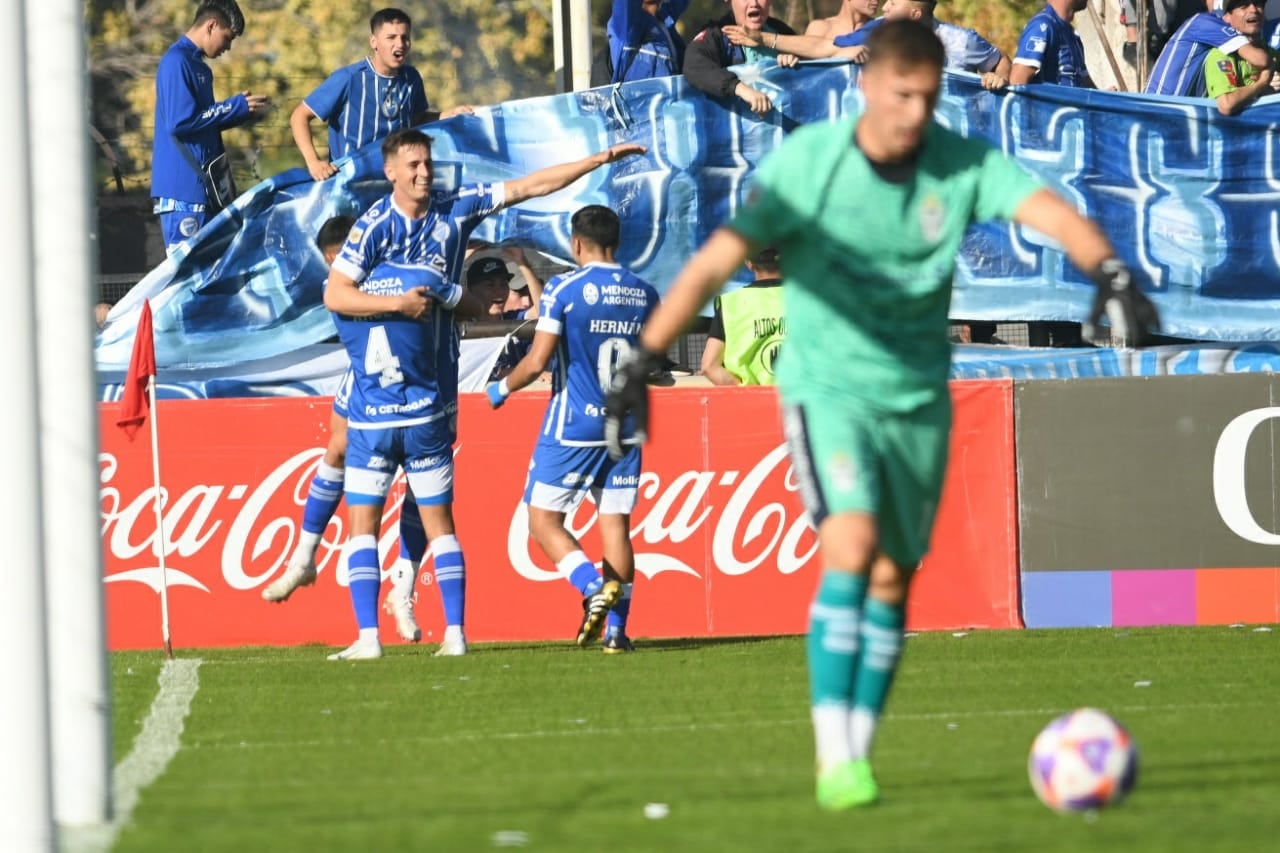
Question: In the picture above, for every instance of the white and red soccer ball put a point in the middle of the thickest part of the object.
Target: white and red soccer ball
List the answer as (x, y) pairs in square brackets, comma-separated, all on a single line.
[(1081, 761)]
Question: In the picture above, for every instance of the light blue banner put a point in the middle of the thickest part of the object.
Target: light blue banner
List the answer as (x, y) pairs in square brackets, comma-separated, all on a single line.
[(1188, 197)]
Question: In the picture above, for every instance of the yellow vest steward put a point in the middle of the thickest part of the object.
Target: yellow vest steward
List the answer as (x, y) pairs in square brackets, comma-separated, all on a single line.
[(753, 332)]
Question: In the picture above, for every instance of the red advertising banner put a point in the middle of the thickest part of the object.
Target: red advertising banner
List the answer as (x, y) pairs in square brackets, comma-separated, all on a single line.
[(722, 545)]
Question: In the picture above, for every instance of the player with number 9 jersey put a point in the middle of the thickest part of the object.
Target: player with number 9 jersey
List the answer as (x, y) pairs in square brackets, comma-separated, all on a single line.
[(597, 313)]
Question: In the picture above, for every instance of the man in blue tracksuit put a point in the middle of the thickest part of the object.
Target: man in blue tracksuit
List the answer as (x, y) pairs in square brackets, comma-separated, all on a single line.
[(189, 123)]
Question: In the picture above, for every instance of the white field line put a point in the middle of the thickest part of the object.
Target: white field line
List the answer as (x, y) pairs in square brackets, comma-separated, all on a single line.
[(584, 730), (155, 746)]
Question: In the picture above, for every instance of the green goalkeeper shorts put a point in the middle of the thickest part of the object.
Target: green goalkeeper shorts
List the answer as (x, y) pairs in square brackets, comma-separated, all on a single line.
[(890, 465)]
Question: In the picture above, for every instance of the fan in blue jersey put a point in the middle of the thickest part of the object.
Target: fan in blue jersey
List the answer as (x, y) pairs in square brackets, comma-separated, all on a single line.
[(590, 318), (408, 248), (1179, 70), (1049, 51), (325, 493), (187, 156), (966, 49), (643, 40), (367, 100)]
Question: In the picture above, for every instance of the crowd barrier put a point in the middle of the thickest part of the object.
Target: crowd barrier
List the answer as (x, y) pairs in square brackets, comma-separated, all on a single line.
[(722, 545), (1130, 501)]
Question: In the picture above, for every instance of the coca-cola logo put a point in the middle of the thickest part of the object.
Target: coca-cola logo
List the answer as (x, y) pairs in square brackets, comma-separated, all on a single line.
[(743, 536), (753, 518), (257, 542)]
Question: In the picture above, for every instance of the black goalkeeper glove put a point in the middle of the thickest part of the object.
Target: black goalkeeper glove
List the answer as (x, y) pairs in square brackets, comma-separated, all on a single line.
[(629, 395), (1131, 314)]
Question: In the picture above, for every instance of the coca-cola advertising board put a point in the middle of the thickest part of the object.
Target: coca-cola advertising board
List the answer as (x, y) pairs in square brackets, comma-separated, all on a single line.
[(722, 545)]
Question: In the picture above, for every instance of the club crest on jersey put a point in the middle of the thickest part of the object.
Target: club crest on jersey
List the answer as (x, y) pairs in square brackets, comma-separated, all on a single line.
[(590, 293), (440, 233), (932, 217)]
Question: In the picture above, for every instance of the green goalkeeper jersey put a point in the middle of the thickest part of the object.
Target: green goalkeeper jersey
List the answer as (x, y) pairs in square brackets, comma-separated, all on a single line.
[(868, 257)]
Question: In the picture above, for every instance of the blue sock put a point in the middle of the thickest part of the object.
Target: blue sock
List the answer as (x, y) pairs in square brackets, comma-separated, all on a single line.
[(413, 539), (451, 577), (832, 647), (881, 637), (364, 579), (581, 572), (322, 498), (616, 621)]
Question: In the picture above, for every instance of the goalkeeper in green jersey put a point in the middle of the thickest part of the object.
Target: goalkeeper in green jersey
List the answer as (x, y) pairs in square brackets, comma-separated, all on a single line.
[(868, 214)]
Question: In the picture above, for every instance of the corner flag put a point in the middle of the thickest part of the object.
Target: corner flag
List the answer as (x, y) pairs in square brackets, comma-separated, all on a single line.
[(135, 403)]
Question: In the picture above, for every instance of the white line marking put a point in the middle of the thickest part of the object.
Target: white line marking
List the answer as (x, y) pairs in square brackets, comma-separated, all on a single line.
[(156, 745), (708, 726)]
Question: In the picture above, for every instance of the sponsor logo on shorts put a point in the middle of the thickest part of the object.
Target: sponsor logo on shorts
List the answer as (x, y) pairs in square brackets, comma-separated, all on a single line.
[(629, 481), (427, 464), (377, 463), (573, 478), (843, 470)]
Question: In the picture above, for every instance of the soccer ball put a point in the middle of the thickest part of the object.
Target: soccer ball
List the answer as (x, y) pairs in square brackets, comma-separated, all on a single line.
[(1082, 760)]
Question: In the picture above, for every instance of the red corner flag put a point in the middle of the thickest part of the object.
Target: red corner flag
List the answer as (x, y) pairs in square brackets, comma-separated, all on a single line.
[(135, 403)]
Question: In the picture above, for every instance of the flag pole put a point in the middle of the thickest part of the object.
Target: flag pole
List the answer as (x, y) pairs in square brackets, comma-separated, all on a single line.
[(160, 537)]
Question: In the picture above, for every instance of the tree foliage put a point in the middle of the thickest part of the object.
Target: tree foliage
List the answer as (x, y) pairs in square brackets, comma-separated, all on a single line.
[(468, 51)]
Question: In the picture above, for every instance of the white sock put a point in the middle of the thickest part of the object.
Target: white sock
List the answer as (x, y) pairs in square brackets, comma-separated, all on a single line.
[(862, 728), (831, 734), (368, 635), (307, 545), (403, 575), (453, 632)]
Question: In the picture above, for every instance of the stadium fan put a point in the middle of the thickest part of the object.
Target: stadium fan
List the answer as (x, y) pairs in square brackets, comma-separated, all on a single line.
[(707, 60), (1179, 70), (643, 42), (1229, 80), (367, 100)]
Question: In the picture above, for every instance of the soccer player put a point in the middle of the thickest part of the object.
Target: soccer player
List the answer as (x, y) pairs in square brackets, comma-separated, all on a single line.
[(863, 375), (325, 493), (365, 101), (403, 409), (590, 317)]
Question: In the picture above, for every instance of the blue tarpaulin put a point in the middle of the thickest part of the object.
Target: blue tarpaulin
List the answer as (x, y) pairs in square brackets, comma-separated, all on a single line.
[(1187, 196)]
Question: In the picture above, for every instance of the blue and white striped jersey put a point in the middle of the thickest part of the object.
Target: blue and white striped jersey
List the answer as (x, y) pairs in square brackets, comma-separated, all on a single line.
[(406, 371), (361, 106), (597, 313), (1179, 70), (1050, 45)]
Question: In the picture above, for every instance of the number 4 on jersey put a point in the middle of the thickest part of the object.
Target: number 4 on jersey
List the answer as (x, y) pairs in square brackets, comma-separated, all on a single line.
[(379, 359)]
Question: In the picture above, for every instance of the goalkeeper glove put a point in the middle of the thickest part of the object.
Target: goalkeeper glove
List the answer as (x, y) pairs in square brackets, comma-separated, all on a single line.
[(629, 395), (1131, 314), (498, 393)]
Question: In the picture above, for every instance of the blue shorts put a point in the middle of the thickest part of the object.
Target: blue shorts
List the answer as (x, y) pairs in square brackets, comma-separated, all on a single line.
[(425, 451), (560, 477), (342, 399), (180, 224)]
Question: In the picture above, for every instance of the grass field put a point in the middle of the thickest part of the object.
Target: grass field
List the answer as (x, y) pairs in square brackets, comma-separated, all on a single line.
[(552, 748)]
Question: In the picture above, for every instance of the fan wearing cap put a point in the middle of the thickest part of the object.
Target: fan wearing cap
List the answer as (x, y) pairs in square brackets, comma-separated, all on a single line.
[(1228, 79), (491, 281)]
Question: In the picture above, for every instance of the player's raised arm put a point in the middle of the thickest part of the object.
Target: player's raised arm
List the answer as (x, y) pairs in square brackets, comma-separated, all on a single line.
[(343, 296), (702, 277), (1131, 314), (548, 180)]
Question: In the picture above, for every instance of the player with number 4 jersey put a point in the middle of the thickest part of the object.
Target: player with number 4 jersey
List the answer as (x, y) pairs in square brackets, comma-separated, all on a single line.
[(590, 321), (409, 247)]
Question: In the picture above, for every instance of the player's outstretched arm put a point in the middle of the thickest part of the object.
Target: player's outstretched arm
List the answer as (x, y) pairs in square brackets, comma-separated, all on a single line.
[(702, 276), (548, 180), (1131, 314), (530, 368), (343, 296)]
